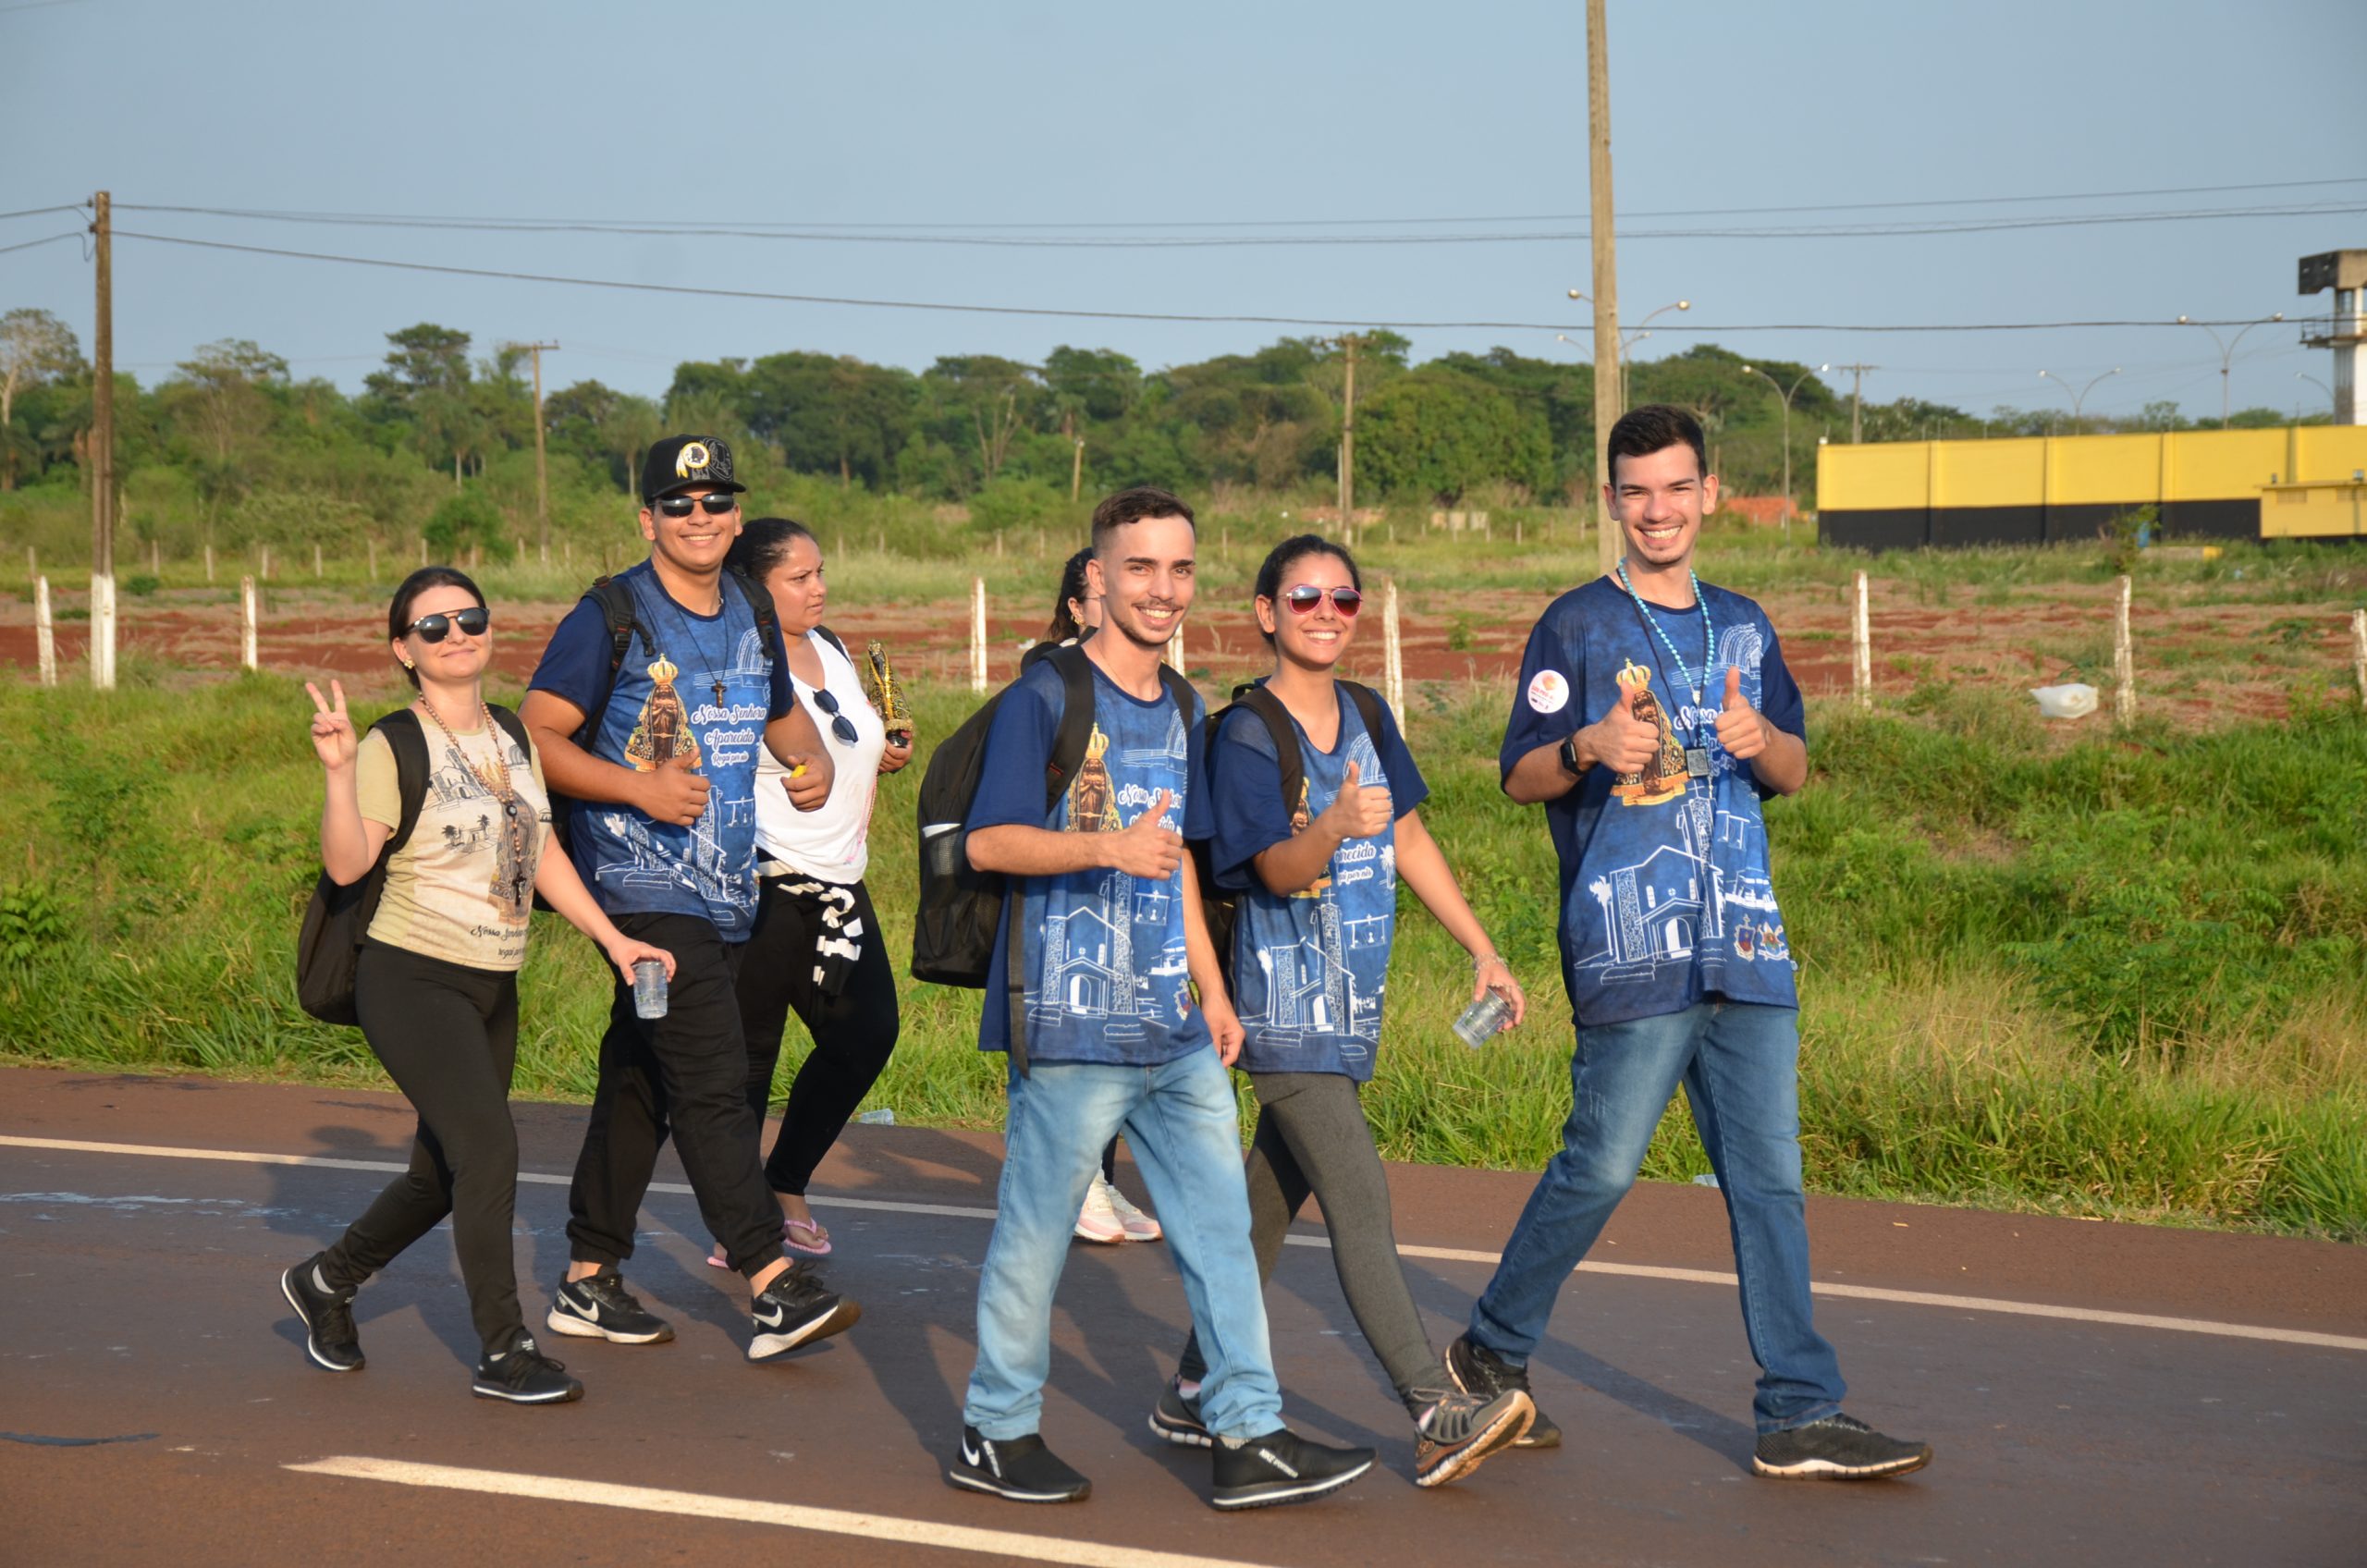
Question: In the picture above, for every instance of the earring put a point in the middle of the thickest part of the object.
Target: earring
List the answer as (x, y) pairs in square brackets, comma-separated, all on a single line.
[(408, 665)]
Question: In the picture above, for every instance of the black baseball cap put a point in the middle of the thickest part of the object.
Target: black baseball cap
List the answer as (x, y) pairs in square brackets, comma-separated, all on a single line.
[(678, 463)]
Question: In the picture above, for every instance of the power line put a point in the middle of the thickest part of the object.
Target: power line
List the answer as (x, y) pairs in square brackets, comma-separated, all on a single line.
[(37, 212), (898, 235), (31, 244), (1096, 315)]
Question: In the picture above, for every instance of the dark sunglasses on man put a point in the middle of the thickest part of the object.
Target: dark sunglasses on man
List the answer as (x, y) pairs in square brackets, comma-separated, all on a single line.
[(436, 628), (1306, 597), (717, 503), (840, 725)]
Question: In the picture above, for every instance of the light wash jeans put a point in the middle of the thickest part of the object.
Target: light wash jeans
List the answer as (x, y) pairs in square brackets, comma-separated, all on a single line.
[(1182, 1123), (1739, 1064)]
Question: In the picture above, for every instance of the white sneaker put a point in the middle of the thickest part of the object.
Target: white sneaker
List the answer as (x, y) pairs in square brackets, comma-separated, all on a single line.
[(1099, 1222), (1139, 1226)]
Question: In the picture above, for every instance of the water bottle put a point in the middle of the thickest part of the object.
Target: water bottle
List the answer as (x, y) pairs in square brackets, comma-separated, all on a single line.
[(880, 1118), (1482, 1020), (648, 988)]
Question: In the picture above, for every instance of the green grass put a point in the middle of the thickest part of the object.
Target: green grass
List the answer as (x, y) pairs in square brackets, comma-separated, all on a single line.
[(2121, 978)]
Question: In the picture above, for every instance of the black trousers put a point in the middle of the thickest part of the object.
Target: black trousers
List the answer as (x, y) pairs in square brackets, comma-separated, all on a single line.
[(685, 1073), (447, 1034), (853, 1031)]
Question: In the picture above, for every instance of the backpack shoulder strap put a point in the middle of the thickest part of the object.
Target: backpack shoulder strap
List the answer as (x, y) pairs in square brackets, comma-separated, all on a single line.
[(1367, 702), (1077, 721), (837, 641), (511, 726), (1179, 690), (760, 605), (1287, 756), (409, 742), (616, 604)]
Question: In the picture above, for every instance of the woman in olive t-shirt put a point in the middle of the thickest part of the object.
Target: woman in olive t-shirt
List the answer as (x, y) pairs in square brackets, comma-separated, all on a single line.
[(437, 983)]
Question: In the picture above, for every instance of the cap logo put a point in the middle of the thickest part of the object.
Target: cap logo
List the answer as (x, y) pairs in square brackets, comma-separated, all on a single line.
[(693, 455)]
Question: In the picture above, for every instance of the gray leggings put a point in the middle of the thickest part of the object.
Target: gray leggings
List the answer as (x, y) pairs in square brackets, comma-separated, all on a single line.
[(1312, 1137)]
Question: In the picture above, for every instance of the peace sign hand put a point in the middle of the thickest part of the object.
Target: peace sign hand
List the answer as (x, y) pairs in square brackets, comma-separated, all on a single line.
[(333, 736)]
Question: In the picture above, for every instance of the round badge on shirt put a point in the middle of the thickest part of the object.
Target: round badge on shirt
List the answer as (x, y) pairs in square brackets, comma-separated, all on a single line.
[(1549, 691)]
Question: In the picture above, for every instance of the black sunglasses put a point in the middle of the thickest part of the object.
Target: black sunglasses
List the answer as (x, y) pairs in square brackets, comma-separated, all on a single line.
[(717, 503), (436, 628), (840, 725), (1306, 597)]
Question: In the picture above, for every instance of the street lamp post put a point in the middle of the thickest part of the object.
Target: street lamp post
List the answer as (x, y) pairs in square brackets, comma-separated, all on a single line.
[(1787, 393), (2305, 376), (2228, 353), (1629, 340), (2078, 398)]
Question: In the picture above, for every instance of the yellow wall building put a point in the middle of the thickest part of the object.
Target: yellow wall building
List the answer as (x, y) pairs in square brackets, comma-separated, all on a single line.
[(2298, 482)]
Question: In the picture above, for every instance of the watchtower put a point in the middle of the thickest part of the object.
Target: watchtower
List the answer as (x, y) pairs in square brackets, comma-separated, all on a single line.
[(2344, 330)]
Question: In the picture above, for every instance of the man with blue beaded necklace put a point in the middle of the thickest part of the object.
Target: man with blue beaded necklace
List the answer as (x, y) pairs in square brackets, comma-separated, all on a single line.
[(1654, 713)]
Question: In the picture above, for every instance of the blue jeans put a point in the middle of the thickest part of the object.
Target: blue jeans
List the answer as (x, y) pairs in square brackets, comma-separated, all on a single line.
[(1184, 1126), (1740, 1064)]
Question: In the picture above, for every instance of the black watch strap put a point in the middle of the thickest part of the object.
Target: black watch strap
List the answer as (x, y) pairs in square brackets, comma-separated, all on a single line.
[(1570, 757)]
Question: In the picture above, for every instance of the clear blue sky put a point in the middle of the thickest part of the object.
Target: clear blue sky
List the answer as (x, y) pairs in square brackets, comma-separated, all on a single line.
[(1218, 112)]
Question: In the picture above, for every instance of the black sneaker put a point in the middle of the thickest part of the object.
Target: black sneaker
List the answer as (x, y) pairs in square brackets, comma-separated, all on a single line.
[(1176, 1419), (600, 1308), (1477, 1370), (329, 1337), (1457, 1430), (1281, 1466), (1839, 1448), (794, 1309), (523, 1375), (1022, 1469)]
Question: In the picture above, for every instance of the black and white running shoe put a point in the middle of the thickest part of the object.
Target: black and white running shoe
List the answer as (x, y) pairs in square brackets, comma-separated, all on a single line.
[(1176, 1419), (599, 1307), (1457, 1430), (329, 1337), (1281, 1466), (1839, 1448), (1477, 1370), (523, 1375), (794, 1309), (1022, 1469)]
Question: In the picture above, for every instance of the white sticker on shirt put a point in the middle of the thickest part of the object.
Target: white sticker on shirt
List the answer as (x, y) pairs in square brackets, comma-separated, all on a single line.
[(1549, 691)]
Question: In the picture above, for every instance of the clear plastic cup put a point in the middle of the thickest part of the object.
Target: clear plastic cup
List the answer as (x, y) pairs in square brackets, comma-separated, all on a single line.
[(1482, 1020), (648, 988)]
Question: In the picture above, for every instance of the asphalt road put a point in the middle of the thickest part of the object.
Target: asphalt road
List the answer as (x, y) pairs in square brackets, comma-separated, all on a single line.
[(2098, 1394)]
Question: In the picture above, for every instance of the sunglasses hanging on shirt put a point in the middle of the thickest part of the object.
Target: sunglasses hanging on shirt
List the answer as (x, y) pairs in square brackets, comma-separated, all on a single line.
[(436, 628), (840, 725), (1306, 597)]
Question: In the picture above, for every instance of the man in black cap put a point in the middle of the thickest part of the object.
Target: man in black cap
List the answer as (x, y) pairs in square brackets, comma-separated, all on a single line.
[(648, 707)]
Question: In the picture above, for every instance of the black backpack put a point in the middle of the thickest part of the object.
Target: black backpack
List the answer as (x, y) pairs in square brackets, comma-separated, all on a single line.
[(1223, 905), (329, 942), (961, 907), (616, 602)]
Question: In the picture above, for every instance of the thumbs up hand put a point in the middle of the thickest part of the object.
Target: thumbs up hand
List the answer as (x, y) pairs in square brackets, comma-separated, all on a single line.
[(1359, 811), (1742, 730), (1620, 741)]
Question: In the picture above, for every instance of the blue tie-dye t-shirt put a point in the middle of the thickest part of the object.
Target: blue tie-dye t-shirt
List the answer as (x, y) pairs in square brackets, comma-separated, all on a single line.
[(1310, 971), (1664, 889), (1105, 978)]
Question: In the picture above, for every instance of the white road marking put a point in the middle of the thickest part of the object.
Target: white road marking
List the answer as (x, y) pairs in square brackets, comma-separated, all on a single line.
[(789, 1515), (1440, 1255)]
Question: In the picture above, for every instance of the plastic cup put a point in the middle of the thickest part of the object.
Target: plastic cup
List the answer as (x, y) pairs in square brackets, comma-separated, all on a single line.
[(1482, 1020), (648, 988)]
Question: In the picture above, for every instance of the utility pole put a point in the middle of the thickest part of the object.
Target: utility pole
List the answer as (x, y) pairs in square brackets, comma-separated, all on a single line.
[(542, 472), (1348, 445), (1857, 383), (103, 449), (1076, 472), (1606, 276)]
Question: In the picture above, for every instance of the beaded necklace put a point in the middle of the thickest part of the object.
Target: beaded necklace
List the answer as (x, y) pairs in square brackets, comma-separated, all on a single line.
[(1709, 633), (493, 775)]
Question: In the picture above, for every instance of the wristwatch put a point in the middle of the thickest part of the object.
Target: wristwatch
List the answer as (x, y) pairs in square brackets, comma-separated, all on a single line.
[(1570, 757)]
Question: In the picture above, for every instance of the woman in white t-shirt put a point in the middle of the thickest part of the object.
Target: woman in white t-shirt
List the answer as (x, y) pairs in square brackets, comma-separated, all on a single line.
[(817, 948)]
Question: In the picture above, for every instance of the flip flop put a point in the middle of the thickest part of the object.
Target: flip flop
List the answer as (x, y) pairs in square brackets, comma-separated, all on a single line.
[(814, 1241)]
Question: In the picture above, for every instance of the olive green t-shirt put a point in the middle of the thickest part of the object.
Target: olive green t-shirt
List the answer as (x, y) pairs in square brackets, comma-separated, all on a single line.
[(462, 887)]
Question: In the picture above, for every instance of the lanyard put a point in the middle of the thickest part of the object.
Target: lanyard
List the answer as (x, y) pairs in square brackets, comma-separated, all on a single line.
[(1708, 634)]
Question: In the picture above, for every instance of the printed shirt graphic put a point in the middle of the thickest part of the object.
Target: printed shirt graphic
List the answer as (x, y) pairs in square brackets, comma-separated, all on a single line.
[(693, 687), (462, 886), (1105, 978), (1310, 971), (1664, 889)]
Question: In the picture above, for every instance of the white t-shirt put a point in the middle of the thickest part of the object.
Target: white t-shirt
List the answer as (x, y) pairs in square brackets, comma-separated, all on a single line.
[(832, 842)]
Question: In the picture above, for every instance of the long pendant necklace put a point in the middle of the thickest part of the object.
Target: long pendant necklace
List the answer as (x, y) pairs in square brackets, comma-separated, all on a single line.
[(510, 881), (1697, 758), (715, 666)]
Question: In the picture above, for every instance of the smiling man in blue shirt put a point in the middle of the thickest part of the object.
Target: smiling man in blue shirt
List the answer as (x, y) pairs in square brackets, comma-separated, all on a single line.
[(1654, 712)]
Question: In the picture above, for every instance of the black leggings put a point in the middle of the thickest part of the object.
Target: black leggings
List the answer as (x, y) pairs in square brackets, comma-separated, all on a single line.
[(853, 1031), (1312, 1137), (447, 1036)]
